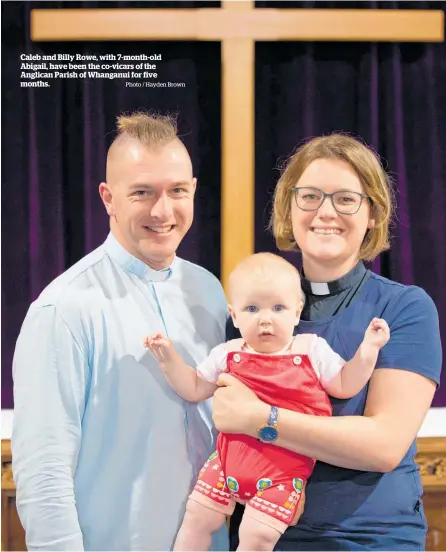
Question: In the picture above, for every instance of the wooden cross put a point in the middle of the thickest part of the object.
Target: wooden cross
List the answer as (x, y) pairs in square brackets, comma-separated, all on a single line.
[(237, 25)]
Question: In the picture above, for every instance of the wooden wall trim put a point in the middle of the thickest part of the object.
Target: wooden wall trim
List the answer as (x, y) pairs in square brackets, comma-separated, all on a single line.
[(431, 458), (7, 479)]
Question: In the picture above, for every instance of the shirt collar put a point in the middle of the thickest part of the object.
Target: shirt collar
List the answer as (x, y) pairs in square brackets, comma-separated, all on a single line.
[(247, 349), (336, 286), (135, 265)]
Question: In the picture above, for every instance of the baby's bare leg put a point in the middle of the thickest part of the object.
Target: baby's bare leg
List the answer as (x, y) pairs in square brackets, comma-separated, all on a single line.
[(199, 523), (256, 535)]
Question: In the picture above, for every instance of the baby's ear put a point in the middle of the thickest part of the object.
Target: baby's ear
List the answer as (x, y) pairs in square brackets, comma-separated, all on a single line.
[(299, 312), (232, 313)]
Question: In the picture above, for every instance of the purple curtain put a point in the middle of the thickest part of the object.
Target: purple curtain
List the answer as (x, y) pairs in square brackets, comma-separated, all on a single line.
[(55, 141)]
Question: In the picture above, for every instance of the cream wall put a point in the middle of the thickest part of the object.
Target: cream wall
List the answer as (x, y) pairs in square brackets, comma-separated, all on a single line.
[(434, 424)]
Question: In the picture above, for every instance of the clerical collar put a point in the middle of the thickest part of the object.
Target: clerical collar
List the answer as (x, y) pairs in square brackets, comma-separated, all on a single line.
[(135, 265), (335, 286)]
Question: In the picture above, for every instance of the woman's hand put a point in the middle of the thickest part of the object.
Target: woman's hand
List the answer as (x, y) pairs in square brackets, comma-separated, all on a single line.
[(237, 409)]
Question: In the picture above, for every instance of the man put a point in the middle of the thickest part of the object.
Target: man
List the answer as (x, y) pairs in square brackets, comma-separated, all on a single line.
[(104, 453)]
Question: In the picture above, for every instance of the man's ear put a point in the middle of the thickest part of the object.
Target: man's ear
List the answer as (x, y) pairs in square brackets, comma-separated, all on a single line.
[(232, 313), (106, 196)]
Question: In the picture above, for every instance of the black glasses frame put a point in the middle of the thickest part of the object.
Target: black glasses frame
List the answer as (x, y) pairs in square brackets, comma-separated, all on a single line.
[(295, 191)]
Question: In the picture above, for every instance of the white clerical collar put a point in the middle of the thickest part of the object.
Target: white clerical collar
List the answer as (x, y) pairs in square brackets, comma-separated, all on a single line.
[(319, 288), (135, 265), (349, 280)]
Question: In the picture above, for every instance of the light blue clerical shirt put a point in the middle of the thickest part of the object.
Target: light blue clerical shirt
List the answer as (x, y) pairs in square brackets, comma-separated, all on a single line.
[(104, 452)]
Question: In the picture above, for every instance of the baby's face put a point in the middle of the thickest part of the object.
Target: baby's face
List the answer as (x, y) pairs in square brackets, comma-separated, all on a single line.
[(267, 311)]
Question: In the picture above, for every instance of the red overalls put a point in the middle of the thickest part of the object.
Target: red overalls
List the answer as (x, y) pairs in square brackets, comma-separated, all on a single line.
[(243, 469)]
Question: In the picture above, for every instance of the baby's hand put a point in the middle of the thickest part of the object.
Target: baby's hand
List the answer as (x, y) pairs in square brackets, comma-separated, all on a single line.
[(161, 347), (378, 333)]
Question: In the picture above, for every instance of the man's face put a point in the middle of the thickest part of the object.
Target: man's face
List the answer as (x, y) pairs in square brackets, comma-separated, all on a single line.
[(149, 196)]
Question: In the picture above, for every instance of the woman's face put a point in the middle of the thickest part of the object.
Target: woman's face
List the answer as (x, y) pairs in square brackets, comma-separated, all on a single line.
[(329, 241)]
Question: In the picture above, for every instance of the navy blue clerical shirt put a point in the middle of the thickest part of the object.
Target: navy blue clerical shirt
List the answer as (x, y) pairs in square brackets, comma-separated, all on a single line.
[(356, 510)]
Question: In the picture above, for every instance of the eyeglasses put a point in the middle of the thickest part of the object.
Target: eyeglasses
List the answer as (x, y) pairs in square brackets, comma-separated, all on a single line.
[(344, 202)]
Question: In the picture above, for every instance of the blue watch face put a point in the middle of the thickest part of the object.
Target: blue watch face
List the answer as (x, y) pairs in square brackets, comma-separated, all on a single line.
[(268, 434)]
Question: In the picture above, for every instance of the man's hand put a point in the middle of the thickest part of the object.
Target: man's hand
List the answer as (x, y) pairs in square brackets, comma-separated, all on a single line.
[(377, 334)]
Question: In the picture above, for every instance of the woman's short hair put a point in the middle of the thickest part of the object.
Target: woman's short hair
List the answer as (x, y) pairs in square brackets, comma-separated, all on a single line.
[(365, 163)]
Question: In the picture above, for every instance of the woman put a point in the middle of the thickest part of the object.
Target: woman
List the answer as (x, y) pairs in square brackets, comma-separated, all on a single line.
[(333, 202)]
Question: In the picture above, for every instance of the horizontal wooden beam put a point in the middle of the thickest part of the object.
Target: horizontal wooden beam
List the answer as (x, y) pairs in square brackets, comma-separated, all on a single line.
[(219, 24)]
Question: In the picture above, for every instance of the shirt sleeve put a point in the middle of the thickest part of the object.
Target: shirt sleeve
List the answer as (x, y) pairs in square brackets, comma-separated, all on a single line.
[(414, 343), (326, 363), (49, 371), (214, 364)]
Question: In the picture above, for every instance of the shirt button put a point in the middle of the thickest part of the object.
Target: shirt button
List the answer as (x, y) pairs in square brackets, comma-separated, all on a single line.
[(236, 357), (297, 360)]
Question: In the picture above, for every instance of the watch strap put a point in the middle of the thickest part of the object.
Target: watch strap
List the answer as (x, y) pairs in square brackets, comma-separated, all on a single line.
[(273, 416)]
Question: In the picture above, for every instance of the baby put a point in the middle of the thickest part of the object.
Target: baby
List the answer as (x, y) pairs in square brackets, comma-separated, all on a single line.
[(296, 373)]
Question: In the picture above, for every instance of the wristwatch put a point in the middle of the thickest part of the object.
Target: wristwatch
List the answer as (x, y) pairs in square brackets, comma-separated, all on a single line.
[(268, 433)]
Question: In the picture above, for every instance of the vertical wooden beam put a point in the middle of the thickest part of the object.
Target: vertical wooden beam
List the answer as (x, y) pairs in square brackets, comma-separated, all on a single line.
[(237, 5), (237, 239), (237, 203)]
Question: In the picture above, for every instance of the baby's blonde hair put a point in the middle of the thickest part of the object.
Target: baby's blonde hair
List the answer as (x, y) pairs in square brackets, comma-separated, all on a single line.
[(262, 266)]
